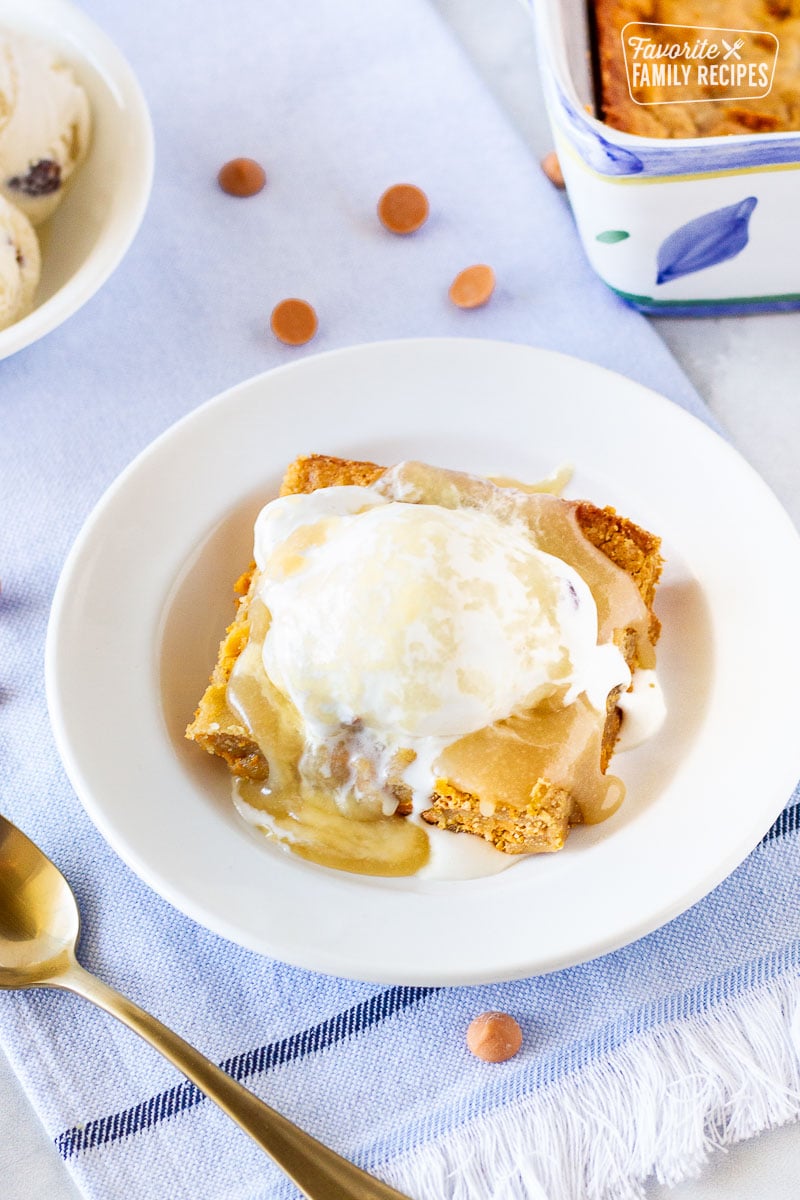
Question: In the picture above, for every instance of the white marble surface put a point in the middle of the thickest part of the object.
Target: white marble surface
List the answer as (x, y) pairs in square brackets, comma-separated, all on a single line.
[(746, 368)]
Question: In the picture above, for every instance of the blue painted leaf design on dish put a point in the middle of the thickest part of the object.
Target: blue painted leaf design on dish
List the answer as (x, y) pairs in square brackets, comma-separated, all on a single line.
[(614, 160), (706, 241), (606, 157)]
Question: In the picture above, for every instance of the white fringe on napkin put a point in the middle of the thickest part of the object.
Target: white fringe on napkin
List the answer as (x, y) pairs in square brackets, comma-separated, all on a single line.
[(656, 1107)]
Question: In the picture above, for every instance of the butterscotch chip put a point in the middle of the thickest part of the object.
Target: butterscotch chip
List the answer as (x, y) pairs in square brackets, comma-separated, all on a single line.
[(403, 208), (494, 1036), (242, 177), (473, 286), (552, 169), (293, 322)]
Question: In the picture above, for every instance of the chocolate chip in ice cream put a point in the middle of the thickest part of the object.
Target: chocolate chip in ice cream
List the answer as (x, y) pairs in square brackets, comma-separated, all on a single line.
[(45, 125), (42, 179)]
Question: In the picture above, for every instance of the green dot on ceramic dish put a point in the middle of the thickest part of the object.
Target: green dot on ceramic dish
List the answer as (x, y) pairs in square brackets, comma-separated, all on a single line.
[(613, 235)]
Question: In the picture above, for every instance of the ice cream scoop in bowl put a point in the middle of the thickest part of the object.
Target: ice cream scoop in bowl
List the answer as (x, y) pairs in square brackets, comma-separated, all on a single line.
[(39, 929), (86, 186)]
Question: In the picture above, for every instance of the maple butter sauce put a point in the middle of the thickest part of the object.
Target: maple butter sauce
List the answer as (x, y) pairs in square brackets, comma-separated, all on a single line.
[(352, 799), (307, 805)]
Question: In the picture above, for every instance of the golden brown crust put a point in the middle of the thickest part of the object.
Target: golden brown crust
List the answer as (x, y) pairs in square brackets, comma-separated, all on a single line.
[(653, 116), (543, 825), (634, 549), (313, 471), (214, 727)]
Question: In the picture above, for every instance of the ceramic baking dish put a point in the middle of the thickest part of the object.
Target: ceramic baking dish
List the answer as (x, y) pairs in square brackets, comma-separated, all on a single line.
[(694, 226)]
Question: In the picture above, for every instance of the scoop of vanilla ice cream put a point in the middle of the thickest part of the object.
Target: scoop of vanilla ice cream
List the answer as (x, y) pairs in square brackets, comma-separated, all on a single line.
[(44, 125), (20, 264), (419, 621)]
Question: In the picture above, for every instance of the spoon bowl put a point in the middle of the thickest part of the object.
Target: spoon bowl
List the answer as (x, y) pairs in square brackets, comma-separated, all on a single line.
[(39, 929), (39, 919)]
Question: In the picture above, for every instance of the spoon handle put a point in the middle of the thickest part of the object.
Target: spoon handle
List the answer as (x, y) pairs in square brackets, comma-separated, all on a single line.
[(317, 1171)]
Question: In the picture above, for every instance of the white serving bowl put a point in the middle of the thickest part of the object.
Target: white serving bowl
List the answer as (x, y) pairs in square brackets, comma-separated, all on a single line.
[(105, 200)]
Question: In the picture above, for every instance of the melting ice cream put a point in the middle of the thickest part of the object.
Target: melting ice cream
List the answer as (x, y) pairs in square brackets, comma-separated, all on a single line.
[(419, 621)]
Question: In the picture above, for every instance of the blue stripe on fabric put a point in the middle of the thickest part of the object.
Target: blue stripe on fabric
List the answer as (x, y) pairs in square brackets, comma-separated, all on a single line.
[(186, 1095), (382, 1006), (572, 1059), (787, 822)]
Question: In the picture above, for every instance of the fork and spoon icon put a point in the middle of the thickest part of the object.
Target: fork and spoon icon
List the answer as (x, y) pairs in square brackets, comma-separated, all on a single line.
[(732, 50)]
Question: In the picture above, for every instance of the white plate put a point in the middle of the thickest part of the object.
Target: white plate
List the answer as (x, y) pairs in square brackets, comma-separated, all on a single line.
[(146, 593), (105, 200)]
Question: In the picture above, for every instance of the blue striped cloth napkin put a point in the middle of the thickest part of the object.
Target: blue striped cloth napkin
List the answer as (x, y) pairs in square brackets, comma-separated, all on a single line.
[(633, 1064)]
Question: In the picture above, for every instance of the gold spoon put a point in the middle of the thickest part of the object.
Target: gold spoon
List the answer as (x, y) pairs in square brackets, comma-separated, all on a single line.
[(39, 927)]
